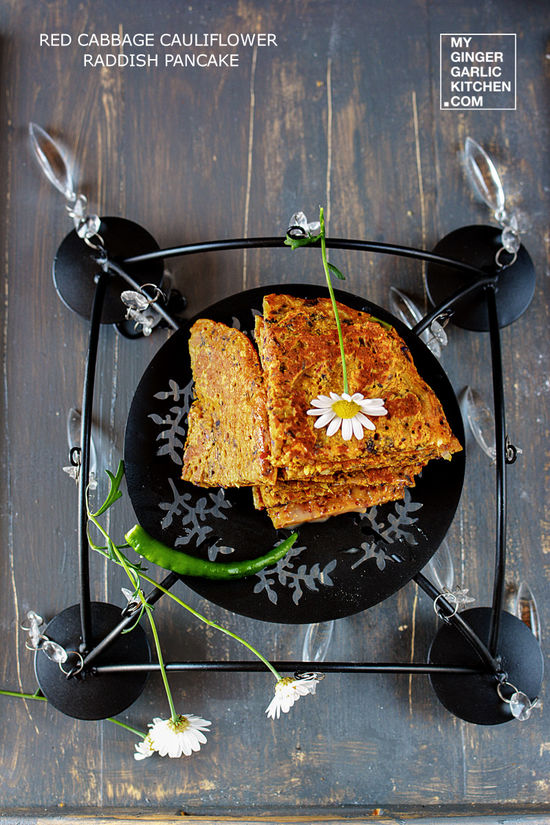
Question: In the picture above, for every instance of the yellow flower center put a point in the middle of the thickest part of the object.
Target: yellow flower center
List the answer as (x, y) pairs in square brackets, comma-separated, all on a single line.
[(179, 725), (345, 409)]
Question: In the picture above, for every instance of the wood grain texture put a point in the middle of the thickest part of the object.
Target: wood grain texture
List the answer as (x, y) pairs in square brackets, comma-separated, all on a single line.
[(343, 112)]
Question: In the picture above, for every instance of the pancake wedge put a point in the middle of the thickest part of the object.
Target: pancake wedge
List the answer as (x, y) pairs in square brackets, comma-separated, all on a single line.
[(300, 358), (227, 441)]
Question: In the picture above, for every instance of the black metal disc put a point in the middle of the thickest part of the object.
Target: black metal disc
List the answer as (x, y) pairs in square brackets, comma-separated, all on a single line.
[(75, 267), (91, 695), (475, 698), (336, 568), (477, 246)]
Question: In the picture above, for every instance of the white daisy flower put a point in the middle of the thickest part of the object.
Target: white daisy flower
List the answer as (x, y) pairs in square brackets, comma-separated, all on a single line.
[(144, 749), (170, 737), (349, 411), (289, 690)]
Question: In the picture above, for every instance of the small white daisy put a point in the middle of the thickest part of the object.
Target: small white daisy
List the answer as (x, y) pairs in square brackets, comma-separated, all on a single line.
[(289, 690), (349, 411), (144, 749), (170, 737)]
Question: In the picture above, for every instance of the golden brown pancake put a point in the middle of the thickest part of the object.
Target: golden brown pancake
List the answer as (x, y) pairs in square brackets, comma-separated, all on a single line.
[(227, 441), (351, 500), (249, 425), (300, 358), (283, 492)]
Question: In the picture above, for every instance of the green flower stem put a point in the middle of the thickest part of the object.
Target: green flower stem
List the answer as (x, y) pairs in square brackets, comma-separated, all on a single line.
[(23, 695), (39, 698), (133, 576), (127, 727), (213, 624), (333, 299), (148, 609), (149, 612)]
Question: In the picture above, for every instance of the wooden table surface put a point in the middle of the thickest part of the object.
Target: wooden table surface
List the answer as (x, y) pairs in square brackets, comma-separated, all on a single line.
[(343, 110)]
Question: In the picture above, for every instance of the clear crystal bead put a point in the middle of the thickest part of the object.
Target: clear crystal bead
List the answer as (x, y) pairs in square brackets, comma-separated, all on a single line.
[(146, 318), (134, 300), (33, 628), (521, 706), (459, 596), (298, 225), (510, 239), (53, 651), (34, 618), (483, 175), (439, 334), (132, 598), (89, 226), (78, 209), (73, 471), (404, 308)]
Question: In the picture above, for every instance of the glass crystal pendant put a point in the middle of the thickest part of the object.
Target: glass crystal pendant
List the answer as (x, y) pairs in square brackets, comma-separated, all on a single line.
[(404, 308), (317, 641), (485, 181), (526, 609), (521, 706), (52, 161), (54, 165), (300, 227), (440, 568), (480, 421), (74, 424), (483, 176)]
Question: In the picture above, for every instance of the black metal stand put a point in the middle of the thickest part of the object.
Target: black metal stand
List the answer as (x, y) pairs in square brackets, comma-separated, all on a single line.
[(75, 268), (478, 246), (87, 695), (486, 645), (473, 697)]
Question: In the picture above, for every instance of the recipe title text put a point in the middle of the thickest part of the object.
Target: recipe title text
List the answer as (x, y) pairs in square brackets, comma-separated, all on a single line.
[(169, 50)]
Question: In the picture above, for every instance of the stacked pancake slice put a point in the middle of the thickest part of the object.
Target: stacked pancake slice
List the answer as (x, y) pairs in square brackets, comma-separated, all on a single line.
[(249, 426)]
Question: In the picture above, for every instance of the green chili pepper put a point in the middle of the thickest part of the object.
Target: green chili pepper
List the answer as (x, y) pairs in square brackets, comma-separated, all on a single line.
[(185, 565)]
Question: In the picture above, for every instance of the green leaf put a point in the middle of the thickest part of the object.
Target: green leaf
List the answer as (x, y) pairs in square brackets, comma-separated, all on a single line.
[(307, 240), (99, 548), (114, 489), (336, 271), (137, 621)]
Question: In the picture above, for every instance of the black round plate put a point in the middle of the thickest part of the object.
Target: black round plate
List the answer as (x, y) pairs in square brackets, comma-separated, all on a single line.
[(336, 568)]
